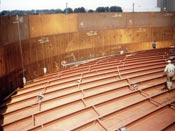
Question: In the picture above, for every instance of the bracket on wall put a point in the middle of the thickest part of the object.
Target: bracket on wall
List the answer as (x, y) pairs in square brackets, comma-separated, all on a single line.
[(43, 40)]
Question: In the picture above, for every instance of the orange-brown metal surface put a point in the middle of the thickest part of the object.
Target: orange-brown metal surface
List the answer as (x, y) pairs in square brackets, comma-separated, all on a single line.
[(104, 95)]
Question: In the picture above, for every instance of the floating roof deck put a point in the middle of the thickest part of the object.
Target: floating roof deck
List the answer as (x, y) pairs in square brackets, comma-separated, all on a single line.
[(121, 91)]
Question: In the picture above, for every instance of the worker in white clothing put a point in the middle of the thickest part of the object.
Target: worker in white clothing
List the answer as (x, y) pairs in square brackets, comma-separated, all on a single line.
[(170, 72)]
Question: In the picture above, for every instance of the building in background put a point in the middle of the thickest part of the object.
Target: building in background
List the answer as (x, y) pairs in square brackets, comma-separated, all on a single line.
[(166, 5)]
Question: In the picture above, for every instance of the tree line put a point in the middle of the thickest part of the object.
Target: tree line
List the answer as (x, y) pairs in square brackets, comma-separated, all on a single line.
[(58, 11)]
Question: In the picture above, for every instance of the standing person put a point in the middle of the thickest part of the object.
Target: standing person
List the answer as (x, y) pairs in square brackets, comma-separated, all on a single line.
[(170, 72), (154, 44)]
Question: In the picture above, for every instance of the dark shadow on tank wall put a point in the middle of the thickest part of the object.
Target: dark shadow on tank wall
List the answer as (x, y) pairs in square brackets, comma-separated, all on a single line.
[(9, 85)]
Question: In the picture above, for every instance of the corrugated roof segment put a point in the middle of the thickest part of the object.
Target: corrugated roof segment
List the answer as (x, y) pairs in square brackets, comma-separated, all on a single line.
[(121, 91)]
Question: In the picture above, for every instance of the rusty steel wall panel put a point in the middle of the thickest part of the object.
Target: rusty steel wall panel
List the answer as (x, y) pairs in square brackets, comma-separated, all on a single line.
[(43, 25), (42, 55), (9, 29), (141, 19), (97, 21), (161, 19), (3, 32), (130, 20), (102, 21), (163, 33), (24, 27), (173, 20), (35, 26), (2, 63), (12, 61), (13, 35)]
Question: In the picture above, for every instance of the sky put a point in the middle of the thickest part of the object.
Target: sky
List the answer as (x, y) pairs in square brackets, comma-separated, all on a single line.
[(140, 5)]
